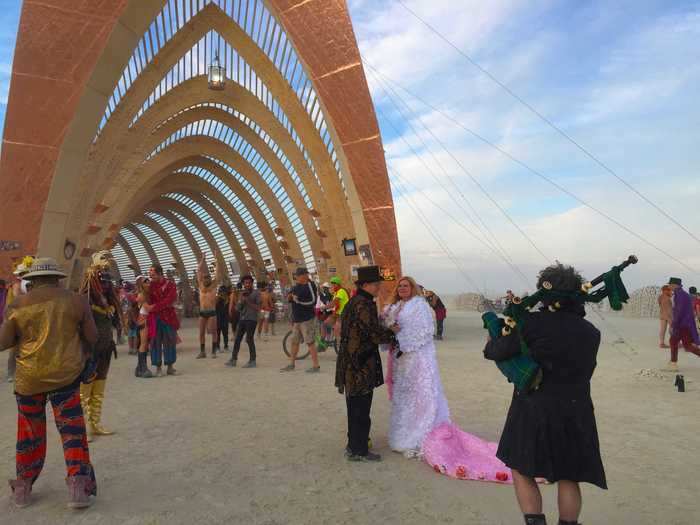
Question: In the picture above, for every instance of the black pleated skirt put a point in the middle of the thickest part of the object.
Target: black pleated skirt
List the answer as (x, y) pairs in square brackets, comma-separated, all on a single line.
[(553, 436)]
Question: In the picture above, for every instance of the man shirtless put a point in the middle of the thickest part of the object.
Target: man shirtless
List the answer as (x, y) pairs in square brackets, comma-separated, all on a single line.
[(207, 308), (266, 306)]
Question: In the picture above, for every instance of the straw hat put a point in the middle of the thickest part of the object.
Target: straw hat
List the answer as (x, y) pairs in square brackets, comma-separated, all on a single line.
[(44, 267)]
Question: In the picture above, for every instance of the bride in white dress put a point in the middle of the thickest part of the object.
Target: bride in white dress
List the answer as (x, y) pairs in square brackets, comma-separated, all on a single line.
[(418, 402), (420, 425)]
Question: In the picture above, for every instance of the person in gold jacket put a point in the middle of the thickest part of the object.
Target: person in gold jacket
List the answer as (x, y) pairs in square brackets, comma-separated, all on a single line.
[(13, 292), (47, 329), (107, 313)]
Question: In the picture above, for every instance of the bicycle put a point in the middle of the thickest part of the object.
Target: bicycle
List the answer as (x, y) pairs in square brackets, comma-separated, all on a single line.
[(321, 344)]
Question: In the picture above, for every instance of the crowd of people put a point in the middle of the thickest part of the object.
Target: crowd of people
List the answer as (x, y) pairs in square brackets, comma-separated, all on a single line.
[(62, 343)]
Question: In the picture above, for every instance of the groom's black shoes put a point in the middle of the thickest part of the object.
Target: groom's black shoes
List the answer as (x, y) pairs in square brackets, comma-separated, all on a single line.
[(371, 456)]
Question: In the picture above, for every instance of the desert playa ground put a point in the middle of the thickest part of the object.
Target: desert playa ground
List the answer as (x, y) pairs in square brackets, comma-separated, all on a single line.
[(217, 445)]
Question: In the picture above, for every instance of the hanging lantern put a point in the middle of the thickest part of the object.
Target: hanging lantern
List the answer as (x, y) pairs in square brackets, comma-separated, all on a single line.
[(217, 75)]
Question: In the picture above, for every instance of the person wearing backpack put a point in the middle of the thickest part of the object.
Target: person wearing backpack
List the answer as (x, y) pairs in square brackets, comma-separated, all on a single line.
[(303, 297)]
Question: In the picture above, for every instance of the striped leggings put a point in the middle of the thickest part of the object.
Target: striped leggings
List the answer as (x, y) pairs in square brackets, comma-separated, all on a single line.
[(31, 433)]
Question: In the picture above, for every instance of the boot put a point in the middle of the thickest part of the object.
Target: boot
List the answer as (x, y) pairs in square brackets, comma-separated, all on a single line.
[(96, 401), (21, 492), (535, 519), (85, 398), (143, 370), (214, 350), (78, 492), (202, 352)]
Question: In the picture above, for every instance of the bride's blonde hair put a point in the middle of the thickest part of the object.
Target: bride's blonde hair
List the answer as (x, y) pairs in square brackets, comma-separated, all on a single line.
[(415, 290)]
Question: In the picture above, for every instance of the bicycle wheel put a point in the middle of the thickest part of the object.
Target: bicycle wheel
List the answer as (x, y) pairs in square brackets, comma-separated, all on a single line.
[(287, 349)]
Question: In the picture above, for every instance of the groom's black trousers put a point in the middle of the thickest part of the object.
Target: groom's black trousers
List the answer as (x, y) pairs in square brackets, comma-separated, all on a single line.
[(359, 422)]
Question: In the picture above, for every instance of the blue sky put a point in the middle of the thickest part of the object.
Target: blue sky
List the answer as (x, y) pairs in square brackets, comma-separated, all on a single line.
[(621, 77), (9, 21)]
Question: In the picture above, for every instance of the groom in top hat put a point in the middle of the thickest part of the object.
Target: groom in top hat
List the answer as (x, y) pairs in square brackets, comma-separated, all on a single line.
[(683, 328), (359, 368)]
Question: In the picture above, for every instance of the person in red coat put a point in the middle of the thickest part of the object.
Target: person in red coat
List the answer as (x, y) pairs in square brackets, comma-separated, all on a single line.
[(440, 312), (163, 321)]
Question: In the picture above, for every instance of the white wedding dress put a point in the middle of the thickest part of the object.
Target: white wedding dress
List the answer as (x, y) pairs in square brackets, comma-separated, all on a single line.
[(420, 423), (418, 402)]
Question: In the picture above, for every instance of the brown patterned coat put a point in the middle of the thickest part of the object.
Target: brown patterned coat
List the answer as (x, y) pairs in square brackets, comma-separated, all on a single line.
[(359, 367)]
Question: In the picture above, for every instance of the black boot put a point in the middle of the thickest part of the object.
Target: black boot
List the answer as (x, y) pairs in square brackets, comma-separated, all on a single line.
[(535, 519), (214, 350), (202, 352), (143, 366), (139, 366)]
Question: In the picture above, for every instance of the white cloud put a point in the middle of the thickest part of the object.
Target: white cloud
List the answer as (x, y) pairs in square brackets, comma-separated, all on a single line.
[(624, 88)]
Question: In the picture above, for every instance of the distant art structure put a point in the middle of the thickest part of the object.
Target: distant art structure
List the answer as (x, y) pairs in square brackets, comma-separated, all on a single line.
[(470, 302), (644, 302)]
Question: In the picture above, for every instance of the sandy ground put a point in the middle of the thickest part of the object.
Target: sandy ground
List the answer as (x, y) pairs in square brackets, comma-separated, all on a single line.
[(217, 445)]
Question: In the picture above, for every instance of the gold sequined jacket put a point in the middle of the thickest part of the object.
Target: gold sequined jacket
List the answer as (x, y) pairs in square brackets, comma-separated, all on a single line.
[(45, 327)]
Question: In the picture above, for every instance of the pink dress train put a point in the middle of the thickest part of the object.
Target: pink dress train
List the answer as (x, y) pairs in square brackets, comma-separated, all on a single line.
[(453, 452)]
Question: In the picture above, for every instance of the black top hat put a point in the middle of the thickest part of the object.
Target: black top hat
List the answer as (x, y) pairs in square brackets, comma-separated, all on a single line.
[(368, 274), (675, 280)]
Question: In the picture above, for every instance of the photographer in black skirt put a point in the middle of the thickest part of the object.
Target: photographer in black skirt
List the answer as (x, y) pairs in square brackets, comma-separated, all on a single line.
[(551, 432)]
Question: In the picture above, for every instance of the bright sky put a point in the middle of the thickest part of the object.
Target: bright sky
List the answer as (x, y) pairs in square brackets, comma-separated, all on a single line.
[(622, 78)]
